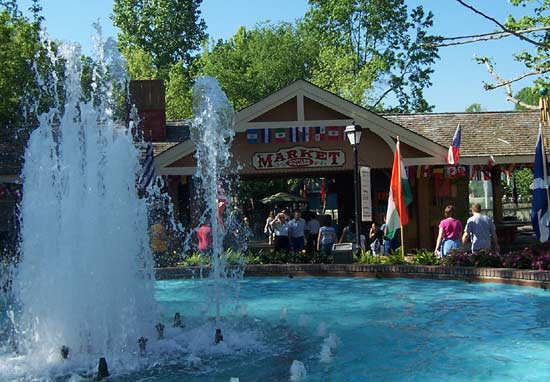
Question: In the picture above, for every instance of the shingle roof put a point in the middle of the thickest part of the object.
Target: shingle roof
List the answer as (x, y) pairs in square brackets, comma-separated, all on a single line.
[(486, 133)]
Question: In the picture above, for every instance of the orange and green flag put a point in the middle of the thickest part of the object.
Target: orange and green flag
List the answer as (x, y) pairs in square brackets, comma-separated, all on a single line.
[(400, 196)]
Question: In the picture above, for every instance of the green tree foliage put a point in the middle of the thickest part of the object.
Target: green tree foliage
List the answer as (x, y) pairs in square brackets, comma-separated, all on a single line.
[(371, 50), (252, 64), (528, 95), (160, 40), (474, 108), (524, 180)]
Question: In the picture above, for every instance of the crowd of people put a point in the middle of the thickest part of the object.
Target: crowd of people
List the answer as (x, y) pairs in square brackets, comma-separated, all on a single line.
[(297, 234)]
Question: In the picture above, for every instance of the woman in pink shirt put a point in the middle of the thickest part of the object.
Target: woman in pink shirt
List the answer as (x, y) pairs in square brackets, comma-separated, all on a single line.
[(450, 231)]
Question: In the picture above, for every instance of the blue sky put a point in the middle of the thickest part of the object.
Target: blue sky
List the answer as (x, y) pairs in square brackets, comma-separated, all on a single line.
[(457, 81)]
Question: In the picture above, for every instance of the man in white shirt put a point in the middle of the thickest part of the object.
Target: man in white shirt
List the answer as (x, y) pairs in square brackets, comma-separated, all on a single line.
[(313, 226), (296, 228)]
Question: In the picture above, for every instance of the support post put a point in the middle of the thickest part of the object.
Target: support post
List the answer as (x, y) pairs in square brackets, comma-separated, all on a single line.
[(357, 191)]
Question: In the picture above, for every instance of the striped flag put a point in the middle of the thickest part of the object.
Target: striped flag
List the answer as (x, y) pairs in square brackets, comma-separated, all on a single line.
[(293, 134), (280, 135), (148, 168), (266, 135), (333, 133), (252, 136), (320, 132), (400, 196), (307, 133), (454, 148)]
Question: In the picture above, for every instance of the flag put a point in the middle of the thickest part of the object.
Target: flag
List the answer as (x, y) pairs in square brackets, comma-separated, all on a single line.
[(400, 196), (266, 135), (293, 134), (540, 217), (454, 148), (307, 133), (252, 136), (333, 133), (148, 168), (320, 133), (280, 135)]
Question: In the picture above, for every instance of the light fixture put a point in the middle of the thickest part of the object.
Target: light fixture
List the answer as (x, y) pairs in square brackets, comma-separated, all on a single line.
[(353, 132)]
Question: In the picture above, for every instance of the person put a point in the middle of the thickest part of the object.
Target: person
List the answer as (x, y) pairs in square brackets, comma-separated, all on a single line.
[(376, 236), (313, 228), (204, 236), (450, 230), (296, 228), (386, 241), (348, 233), (326, 238), (480, 230), (280, 229), (268, 230), (159, 243)]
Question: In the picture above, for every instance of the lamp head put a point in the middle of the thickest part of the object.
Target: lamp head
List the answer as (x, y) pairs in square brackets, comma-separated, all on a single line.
[(353, 132)]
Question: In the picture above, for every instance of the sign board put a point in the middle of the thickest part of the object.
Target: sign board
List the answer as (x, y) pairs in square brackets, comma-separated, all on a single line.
[(298, 157), (366, 201)]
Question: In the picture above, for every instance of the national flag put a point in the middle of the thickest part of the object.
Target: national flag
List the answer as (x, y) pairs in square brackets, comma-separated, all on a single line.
[(454, 148), (307, 133), (540, 218), (320, 132), (323, 194), (400, 196), (266, 135), (333, 133), (293, 134), (280, 135), (148, 168), (252, 136)]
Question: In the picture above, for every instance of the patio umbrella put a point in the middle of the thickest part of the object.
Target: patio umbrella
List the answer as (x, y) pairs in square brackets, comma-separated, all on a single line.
[(282, 197)]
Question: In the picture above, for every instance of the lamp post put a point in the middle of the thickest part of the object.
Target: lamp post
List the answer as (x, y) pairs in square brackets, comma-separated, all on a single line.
[(353, 132)]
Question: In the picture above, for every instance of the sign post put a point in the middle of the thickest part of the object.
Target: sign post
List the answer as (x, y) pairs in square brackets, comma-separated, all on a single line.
[(366, 201)]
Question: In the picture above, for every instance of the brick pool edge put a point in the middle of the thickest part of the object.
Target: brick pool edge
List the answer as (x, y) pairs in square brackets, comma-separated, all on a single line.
[(524, 277)]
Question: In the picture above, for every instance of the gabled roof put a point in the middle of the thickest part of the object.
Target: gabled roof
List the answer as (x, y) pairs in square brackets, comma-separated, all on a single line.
[(505, 134)]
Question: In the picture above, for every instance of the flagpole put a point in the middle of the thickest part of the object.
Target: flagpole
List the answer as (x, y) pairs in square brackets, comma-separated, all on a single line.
[(400, 193), (543, 103)]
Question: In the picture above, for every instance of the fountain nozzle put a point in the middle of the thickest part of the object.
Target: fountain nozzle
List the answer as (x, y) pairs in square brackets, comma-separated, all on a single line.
[(160, 330), (102, 369), (218, 337), (64, 352), (177, 320), (142, 341)]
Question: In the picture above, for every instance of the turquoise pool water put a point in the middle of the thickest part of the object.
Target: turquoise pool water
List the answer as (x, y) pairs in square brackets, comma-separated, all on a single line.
[(347, 330), (387, 330)]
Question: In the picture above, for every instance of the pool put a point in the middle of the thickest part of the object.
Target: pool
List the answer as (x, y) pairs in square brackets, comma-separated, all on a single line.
[(351, 329)]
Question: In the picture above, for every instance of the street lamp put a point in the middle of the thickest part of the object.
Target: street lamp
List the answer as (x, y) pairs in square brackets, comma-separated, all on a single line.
[(353, 132)]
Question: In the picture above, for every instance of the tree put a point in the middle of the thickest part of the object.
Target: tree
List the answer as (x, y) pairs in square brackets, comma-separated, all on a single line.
[(475, 108), (527, 95), (371, 49), (255, 63), (533, 29)]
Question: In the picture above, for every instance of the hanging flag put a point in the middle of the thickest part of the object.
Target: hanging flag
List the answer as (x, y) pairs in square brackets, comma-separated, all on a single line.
[(540, 218), (280, 135), (400, 196), (293, 134), (252, 136), (148, 168), (266, 135), (320, 132), (454, 148), (307, 133), (333, 133), (323, 194)]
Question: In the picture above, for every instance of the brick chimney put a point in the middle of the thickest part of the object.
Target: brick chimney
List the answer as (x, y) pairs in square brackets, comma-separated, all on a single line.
[(148, 96)]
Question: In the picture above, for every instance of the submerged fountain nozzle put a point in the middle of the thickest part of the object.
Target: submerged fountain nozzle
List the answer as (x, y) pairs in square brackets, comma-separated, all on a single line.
[(177, 320), (102, 369), (64, 352), (218, 337), (160, 330), (142, 341)]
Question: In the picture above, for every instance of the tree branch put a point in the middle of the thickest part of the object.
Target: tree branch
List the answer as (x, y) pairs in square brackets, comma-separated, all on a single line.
[(486, 36), (506, 84), (504, 28)]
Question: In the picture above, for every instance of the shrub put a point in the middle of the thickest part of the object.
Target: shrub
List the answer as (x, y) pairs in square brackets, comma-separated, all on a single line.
[(425, 257)]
